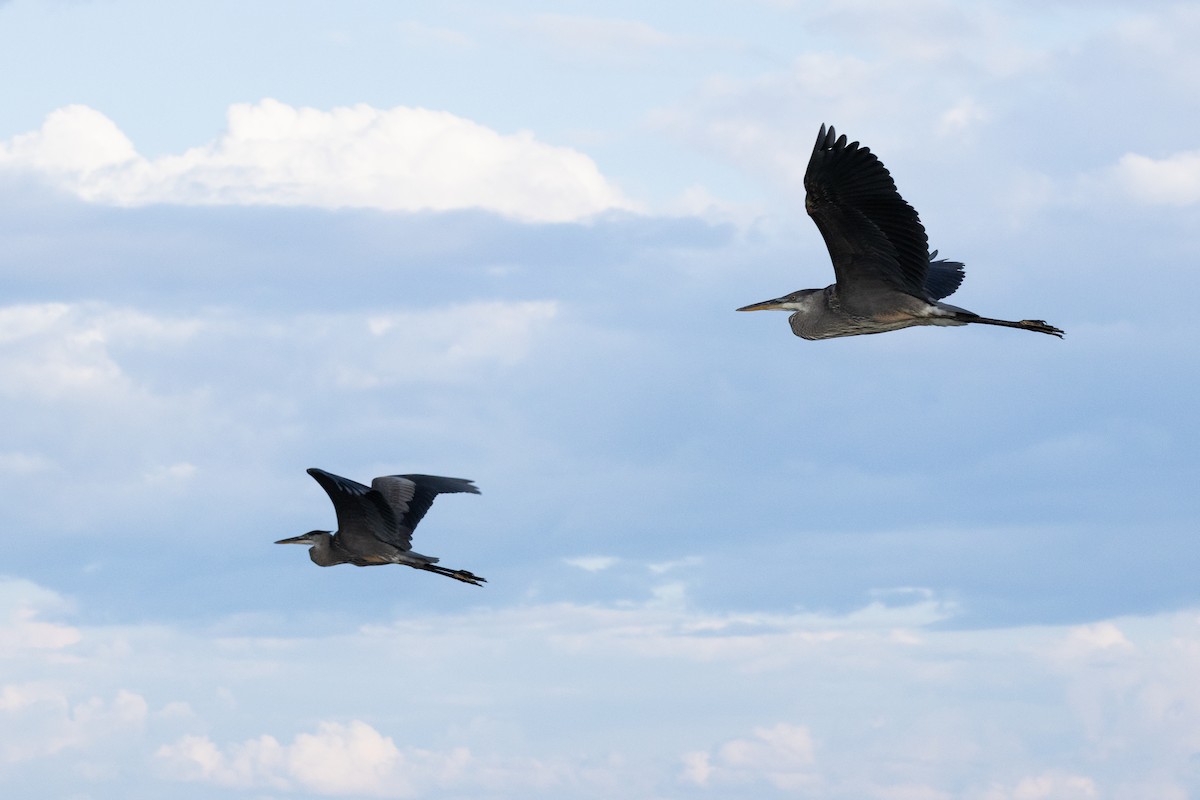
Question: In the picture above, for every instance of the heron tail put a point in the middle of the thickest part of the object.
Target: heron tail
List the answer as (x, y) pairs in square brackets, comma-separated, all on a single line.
[(944, 277)]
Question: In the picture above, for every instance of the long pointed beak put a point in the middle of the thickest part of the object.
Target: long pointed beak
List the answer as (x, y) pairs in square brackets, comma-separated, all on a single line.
[(295, 540), (765, 305)]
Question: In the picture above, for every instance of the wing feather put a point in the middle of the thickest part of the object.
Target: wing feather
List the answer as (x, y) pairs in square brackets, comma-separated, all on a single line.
[(398, 491), (424, 488), (874, 237), (364, 517)]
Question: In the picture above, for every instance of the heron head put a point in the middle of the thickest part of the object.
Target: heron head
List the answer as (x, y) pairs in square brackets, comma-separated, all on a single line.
[(796, 301), (310, 538)]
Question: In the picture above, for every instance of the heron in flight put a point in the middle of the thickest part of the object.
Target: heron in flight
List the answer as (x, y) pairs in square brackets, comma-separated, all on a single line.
[(886, 278), (376, 522)]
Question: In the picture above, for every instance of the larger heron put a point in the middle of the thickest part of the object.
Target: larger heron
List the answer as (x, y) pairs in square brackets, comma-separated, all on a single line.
[(886, 277), (376, 522)]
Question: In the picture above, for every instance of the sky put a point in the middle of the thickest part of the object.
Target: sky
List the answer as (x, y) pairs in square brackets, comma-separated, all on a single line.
[(504, 241)]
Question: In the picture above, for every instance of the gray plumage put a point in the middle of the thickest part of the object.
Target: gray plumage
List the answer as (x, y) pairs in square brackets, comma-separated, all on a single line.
[(886, 278), (376, 522)]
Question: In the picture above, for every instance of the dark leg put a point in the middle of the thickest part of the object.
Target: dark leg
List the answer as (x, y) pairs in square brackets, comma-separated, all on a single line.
[(1026, 324), (457, 574)]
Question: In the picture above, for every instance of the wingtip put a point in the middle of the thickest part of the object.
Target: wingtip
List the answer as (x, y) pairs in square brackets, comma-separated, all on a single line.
[(467, 486), (461, 485), (824, 137), (828, 139)]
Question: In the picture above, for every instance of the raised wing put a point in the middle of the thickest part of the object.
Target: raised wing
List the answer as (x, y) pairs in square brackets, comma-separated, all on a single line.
[(411, 496), (364, 517), (873, 236)]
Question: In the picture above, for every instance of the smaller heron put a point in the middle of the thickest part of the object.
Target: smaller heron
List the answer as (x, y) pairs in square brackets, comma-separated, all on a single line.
[(376, 522), (886, 278)]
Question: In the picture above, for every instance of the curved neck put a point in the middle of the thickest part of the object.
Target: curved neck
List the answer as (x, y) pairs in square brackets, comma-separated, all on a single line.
[(322, 552)]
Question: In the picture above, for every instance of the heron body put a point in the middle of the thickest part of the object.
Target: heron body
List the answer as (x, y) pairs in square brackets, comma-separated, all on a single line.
[(886, 278), (376, 522)]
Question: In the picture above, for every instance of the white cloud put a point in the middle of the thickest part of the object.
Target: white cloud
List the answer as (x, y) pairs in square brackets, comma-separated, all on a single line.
[(847, 708), (1174, 180), (44, 350), (766, 124), (56, 349), (344, 759), (592, 563), (45, 722), (75, 140), (961, 117), (449, 342), (251, 763), (667, 566), (22, 630), (1099, 636), (399, 159), (21, 605), (1050, 786), (781, 754)]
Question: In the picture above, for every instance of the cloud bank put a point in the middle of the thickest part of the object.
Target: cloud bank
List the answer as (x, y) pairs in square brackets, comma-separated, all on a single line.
[(398, 159), (882, 703)]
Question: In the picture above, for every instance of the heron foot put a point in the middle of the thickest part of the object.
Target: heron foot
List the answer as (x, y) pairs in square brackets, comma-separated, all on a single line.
[(1041, 326), (468, 577)]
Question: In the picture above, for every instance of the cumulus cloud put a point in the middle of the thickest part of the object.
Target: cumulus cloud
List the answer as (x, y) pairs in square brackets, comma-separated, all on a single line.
[(781, 754), (1174, 180), (21, 629), (343, 759), (1098, 637), (399, 159), (46, 722)]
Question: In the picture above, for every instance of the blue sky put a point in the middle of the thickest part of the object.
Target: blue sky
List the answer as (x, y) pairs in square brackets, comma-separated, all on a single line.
[(504, 241)]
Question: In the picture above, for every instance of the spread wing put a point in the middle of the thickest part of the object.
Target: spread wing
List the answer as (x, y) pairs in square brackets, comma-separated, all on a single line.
[(410, 496), (364, 517), (874, 237)]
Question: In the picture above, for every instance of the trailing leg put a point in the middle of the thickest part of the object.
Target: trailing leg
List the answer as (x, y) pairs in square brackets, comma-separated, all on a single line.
[(457, 574)]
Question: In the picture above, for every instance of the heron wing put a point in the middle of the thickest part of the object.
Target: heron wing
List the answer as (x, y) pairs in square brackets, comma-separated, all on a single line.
[(874, 237), (416, 493), (365, 519)]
